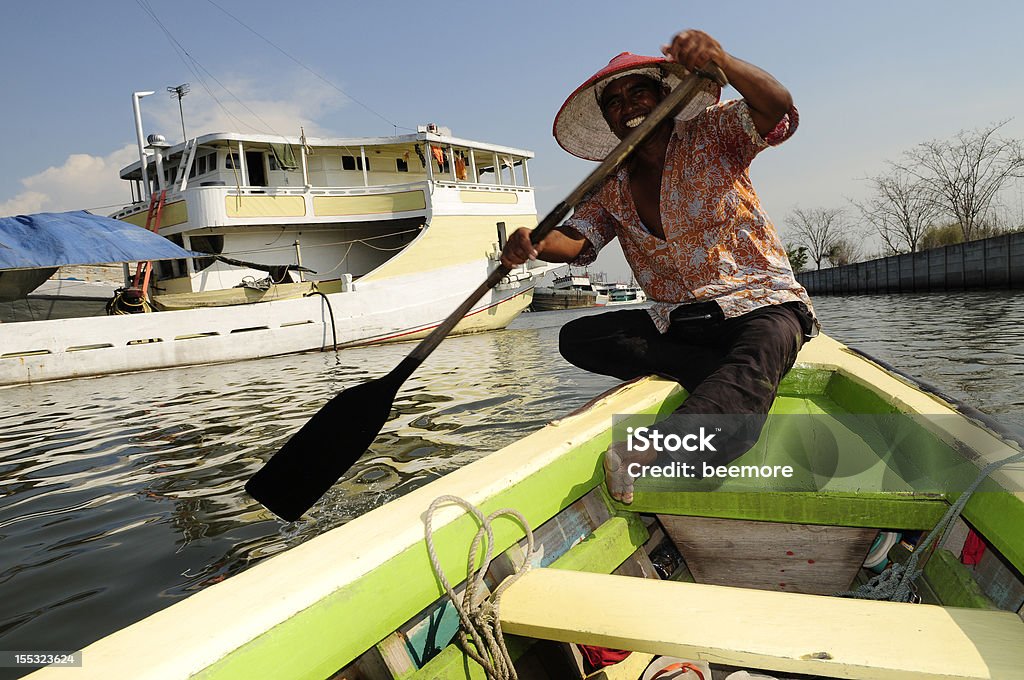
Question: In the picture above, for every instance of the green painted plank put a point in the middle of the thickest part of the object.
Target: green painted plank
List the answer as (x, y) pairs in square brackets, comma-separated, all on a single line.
[(854, 397), (608, 547), (827, 450), (850, 510), (999, 517), (453, 664), (434, 634), (952, 582), (803, 381)]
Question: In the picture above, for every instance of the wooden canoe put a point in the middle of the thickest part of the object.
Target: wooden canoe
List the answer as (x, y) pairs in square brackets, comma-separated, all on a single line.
[(362, 601)]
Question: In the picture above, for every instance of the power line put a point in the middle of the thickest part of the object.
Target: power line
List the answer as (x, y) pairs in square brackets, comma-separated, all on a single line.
[(190, 63), (193, 64), (297, 61)]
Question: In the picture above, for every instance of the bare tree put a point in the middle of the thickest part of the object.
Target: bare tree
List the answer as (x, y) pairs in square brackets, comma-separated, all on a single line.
[(818, 229), (965, 173), (900, 209)]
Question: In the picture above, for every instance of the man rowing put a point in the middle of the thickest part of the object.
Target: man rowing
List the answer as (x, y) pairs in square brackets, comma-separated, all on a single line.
[(728, 316)]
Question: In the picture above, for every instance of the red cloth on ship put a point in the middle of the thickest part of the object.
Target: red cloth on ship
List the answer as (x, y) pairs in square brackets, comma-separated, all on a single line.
[(974, 548)]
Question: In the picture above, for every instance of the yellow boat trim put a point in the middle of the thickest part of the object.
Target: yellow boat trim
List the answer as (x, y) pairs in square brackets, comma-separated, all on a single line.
[(173, 214), (476, 196), (265, 206), (402, 201), (785, 632)]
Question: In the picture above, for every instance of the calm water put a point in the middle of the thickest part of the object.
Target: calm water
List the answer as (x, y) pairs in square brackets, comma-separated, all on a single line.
[(120, 495)]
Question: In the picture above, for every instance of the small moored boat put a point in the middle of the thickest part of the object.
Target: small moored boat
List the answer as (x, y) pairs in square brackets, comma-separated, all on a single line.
[(615, 294), (759, 558)]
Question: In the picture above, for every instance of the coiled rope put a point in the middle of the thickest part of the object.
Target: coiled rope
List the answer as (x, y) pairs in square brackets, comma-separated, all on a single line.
[(128, 301), (478, 614), (897, 583)]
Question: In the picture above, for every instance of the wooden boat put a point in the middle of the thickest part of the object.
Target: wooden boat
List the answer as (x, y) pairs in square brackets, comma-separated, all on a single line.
[(362, 601), (568, 291)]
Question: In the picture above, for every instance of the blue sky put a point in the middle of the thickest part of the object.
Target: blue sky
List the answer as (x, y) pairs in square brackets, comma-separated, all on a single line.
[(871, 79)]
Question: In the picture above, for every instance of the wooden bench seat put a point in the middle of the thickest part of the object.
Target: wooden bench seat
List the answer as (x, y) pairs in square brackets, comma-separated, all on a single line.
[(784, 632)]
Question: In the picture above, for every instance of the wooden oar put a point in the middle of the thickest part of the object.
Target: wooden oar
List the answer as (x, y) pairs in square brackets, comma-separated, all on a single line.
[(341, 431)]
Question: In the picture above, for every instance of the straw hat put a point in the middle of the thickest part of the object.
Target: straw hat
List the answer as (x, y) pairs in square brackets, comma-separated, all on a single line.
[(671, 668), (580, 127)]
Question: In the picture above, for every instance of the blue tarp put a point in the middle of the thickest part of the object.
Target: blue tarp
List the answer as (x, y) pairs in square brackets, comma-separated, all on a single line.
[(56, 239)]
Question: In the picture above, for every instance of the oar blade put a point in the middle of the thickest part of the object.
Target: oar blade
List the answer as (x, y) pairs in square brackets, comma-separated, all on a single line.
[(324, 449)]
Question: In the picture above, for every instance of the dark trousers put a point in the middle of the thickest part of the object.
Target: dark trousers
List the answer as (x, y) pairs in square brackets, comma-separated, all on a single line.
[(730, 367)]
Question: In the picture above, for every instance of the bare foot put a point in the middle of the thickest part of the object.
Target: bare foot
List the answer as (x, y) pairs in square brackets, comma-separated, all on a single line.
[(617, 460)]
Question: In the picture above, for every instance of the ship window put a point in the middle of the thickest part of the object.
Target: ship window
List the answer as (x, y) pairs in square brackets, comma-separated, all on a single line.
[(272, 162), (354, 163), (201, 165), (231, 162), (211, 164), (401, 165)]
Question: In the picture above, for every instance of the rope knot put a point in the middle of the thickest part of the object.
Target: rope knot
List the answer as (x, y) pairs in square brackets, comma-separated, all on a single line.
[(479, 615)]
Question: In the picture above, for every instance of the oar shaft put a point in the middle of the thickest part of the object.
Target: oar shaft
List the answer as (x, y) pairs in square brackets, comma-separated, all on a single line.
[(430, 343)]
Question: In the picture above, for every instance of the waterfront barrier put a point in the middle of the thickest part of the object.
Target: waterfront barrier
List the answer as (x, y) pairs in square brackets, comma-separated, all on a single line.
[(992, 263)]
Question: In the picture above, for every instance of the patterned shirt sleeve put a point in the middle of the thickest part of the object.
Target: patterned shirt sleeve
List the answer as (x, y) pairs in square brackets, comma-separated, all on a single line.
[(738, 135), (596, 225)]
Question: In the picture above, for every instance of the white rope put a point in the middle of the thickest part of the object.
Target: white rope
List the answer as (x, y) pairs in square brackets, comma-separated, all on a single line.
[(479, 615)]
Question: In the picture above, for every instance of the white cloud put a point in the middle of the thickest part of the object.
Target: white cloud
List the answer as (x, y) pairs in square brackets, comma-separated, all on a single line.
[(86, 181), (268, 106), (82, 181)]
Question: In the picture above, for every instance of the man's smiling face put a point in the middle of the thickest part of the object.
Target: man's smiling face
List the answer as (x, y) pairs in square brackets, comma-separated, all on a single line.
[(627, 101)]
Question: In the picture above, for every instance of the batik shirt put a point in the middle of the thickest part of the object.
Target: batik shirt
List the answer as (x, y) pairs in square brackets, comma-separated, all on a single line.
[(719, 243)]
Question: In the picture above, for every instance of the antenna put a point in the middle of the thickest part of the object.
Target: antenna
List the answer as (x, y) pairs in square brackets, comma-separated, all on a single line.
[(180, 91)]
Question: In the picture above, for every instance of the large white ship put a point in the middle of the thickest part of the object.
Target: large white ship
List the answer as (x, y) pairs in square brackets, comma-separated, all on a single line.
[(311, 243)]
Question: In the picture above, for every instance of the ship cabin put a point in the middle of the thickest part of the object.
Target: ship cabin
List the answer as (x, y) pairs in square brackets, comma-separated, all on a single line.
[(338, 207)]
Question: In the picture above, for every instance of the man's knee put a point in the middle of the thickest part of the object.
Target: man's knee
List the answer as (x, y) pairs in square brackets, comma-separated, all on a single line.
[(573, 338), (772, 342)]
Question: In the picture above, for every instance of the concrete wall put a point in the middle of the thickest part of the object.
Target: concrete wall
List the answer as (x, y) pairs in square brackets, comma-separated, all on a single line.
[(996, 262)]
